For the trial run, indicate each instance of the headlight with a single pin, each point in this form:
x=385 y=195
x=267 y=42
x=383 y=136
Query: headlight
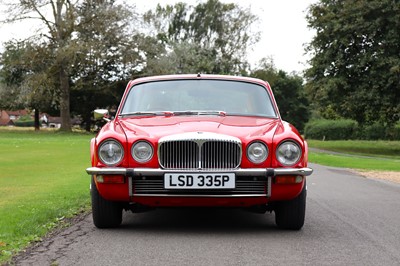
x=257 y=152
x=288 y=153
x=111 y=152
x=142 y=151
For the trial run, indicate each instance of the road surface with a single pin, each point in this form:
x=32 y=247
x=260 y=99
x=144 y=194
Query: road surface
x=350 y=220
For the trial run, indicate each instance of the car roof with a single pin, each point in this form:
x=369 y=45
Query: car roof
x=200 y=76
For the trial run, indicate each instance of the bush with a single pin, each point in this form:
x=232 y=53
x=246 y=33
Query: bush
x=375 y=131
x=324 y=129
x=30 y=123
x=394 y=132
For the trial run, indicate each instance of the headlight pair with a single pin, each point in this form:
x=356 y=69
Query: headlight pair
x=111 y=152
x=288 y=153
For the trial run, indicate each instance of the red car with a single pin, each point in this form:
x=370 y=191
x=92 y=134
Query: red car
x=198 y=141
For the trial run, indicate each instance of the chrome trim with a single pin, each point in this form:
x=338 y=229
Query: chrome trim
x=199 y=137
x=157 y=171
x=293 y=171
x=200 y=196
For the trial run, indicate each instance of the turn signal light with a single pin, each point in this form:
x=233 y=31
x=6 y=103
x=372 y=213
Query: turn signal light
x=288 y=179
x=110 y=179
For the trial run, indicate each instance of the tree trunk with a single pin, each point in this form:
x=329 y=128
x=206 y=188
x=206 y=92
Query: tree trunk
x=37 y=122
x=64 y=101
x=88 y=122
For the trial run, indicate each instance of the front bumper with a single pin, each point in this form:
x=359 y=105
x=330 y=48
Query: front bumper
x=137 y=172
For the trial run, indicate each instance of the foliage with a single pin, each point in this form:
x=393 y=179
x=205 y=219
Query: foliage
x=355 y=64
x=25 y=84
x=84 y=44
x=52 y=197
x=325 y=129
x=378 y=131
x=211 y=37
x=288 y=91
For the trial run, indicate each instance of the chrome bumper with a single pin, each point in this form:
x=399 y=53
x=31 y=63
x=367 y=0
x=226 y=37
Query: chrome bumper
x=134 y=172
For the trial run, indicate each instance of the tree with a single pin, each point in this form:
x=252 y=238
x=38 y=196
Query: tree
x=355 y=64
x=210 y=37
x=288 y=91
x=108 y=54
x=24 y=83
x=76 y=35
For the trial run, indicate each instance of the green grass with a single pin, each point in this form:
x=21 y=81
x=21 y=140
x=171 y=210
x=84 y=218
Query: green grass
x=385 y=155
x=390 y=149
x=42 y=181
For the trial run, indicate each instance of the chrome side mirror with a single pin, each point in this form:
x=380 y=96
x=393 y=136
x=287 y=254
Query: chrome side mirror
x=101 y=114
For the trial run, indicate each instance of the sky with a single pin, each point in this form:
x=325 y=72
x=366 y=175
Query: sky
x=282 y=25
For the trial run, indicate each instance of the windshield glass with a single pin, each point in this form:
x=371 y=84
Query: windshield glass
x=213 y=96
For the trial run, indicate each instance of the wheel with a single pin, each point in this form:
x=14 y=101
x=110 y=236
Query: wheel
x=290 y=214
x=106 y=214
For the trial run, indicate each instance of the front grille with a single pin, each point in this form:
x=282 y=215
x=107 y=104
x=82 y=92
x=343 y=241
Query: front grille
x=244 y=186
x=193 y=151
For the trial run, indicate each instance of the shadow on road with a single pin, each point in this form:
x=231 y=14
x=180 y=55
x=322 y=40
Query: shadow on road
x=201 y=220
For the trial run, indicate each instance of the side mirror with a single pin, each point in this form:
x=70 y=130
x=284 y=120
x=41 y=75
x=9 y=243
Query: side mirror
x=101 y=114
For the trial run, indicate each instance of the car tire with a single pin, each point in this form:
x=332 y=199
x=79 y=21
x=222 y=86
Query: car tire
x=291 y=214
x=106 y=214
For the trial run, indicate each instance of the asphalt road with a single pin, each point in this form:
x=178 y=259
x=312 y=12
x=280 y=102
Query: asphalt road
x=350 y=220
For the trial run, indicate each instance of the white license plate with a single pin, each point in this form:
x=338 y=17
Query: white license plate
x=199 y=180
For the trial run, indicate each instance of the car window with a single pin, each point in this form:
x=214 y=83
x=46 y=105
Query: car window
x=231 y=97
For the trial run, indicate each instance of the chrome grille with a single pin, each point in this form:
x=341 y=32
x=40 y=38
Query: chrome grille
x=179 y=155
x=200 y=153
x=220 y=155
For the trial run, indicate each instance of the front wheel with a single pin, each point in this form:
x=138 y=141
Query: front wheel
x=290 y=214
x=106 y=214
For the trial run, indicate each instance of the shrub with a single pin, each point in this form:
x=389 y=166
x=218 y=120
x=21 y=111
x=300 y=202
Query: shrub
x=394 y=132
x=30 y=123
x=324 y=129
x=375 y=131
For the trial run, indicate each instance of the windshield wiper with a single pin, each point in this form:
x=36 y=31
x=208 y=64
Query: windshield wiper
x=219 y=113
x=176 y=113
x=157 y=113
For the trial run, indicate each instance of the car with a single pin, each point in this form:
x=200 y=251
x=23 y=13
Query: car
x=197 y=140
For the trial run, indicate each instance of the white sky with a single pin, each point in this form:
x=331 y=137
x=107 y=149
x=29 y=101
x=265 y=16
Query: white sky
x=282 y=25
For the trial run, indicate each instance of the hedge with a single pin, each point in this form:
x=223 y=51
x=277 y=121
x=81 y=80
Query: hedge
x=30 y=123
x=342 y=129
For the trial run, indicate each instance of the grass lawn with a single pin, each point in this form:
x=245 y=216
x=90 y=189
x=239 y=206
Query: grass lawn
x=42 y=181
x=390 y=149
x=385 y=155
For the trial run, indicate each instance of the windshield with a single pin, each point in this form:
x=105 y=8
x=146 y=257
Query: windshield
x=194 y=97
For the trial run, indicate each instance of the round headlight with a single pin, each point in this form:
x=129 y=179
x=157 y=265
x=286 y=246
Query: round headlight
x=111 y=152
x=288 y=153
x=142 y=151
x=257 y=152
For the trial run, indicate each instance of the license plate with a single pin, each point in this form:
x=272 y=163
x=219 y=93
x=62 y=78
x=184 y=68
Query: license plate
x=199 y=180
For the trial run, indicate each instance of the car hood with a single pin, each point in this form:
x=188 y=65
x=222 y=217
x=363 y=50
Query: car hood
x=238 y=126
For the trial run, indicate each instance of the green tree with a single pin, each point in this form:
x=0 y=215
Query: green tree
x=86 y=43
x=355 y=64
x=108 y=56
x=24 y=83
x=288 y=91
x=211 y=37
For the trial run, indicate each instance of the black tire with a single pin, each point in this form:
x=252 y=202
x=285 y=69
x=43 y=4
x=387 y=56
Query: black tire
x=106 y=214
x=291 y=214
